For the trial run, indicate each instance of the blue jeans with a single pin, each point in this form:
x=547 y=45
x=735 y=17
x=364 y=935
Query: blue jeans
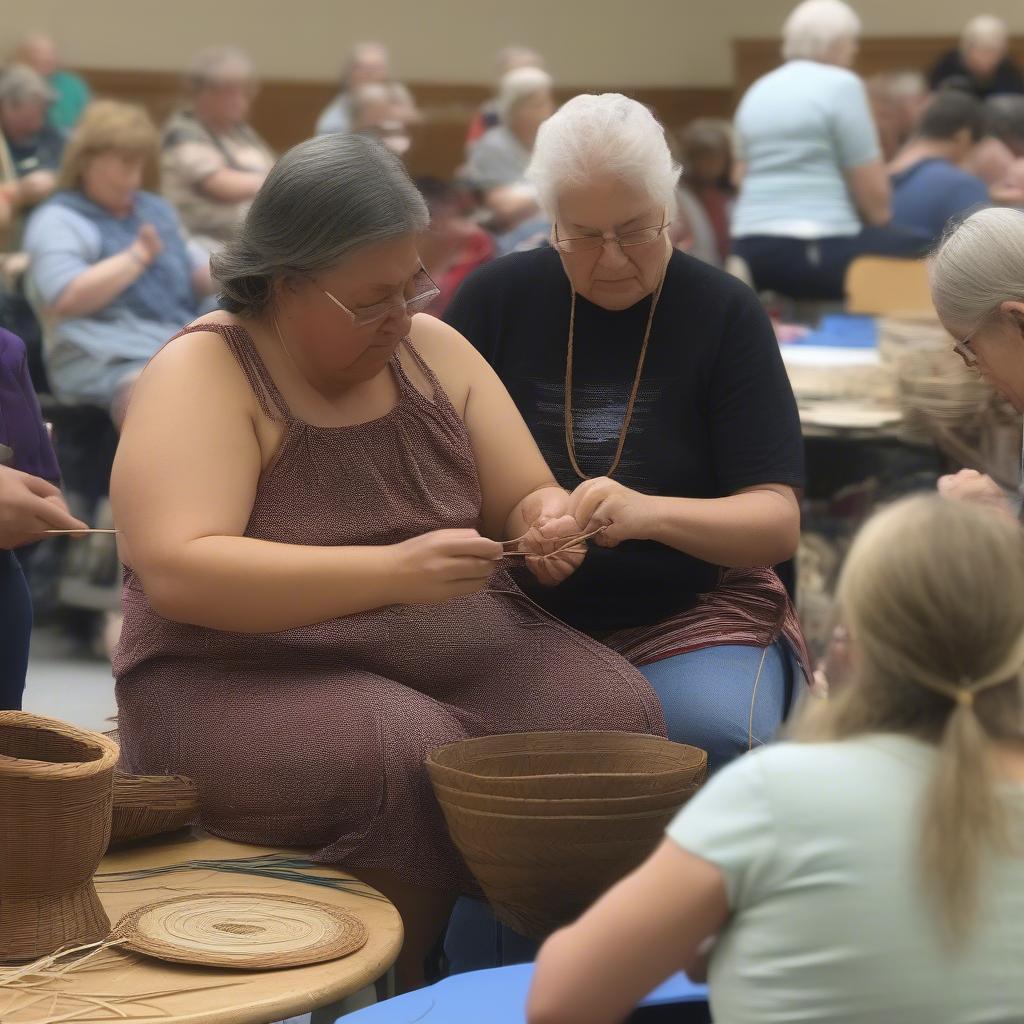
x=15 y=631
x=724 y=699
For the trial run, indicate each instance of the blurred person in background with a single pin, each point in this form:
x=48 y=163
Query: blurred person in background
x=453 y=245
x=71 y=93
x=212 y=161
x=488 y=116
x=497 y=163
x=898 y=99
x=705 y=147
x=386 y=111
x=111 y=271
x=930 y=188
x=981 y=64
x=367 y=64
x=992 y=159
x=814 y=192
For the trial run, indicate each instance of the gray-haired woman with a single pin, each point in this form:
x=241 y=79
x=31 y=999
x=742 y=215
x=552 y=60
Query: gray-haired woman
x=313 y=489
x=977 y=281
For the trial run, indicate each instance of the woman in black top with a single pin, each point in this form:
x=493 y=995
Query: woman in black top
x=693 y=480
x=981 y=64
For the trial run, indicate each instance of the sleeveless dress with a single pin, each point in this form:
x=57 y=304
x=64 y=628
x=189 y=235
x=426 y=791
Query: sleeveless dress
x=317 y=736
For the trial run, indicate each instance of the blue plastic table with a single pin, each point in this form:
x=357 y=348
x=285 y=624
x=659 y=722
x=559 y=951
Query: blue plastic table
x=496 y=996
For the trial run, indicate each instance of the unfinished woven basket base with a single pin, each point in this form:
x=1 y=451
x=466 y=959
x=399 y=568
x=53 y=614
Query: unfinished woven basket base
x=243 y=930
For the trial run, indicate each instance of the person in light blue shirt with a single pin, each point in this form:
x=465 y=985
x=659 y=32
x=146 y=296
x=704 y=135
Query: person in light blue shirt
x=814 y=191
x=871 y=869
x=930 y=188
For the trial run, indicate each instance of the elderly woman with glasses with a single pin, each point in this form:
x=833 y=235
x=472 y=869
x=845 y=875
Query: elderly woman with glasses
x=315 y=491
x=977 y=282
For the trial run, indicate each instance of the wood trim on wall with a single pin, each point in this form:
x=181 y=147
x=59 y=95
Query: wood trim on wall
x=285 y=111
x=753 y=58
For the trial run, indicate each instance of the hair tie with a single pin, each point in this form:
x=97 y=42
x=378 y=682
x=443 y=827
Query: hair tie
x=964 y=697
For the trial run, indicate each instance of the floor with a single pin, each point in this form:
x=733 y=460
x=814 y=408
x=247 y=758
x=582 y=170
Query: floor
x=65 y=681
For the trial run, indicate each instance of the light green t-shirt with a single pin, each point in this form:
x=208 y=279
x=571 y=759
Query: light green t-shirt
x=818 y=847
x=799 y=130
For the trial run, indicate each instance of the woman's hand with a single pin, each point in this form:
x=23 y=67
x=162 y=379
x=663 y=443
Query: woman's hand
x=552 y=558
x=147 y=245
x=624 y=514
x=29 y=507
x=438 y=566
x=972 y=486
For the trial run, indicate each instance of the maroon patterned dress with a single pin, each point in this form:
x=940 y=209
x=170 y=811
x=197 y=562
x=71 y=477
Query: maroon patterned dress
x=316 y=736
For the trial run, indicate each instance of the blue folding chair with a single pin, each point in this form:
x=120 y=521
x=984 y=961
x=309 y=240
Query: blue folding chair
x=498 y=996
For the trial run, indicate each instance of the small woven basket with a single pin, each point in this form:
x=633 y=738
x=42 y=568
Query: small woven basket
x=56 y=797
x=150 y=805
x=548 y=821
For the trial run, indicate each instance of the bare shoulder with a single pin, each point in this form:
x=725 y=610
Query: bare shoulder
x=455 y=362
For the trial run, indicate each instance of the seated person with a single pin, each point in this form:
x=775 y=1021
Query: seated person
x=981 y=64
x=313 y=488
x=870 y=869
x=898 y=99
x=453 y=245
x=497 y=163
x=212 y=162
x=929 y=188
x=30 y=148
x=30 y=504
x=367 y=64
x=705 y=147
x=487 y=117
x=110 y=266
x=992 y=159
x=384 y=111
x=70 y=90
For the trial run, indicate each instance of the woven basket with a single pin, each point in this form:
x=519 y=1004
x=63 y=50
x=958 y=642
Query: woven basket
x=150 y=805
x=541 y=870
x=568 y=766
x=56 y=795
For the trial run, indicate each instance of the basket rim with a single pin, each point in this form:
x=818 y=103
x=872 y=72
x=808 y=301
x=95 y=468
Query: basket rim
x=440 y=787
x=109 y=751
x=549 y=819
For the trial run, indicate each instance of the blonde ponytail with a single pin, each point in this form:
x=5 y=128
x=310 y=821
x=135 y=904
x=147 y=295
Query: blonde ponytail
x=933 y=596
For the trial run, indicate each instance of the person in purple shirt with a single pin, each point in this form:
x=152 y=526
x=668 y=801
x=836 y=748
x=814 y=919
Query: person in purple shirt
x=30 y=504
x=929 y=187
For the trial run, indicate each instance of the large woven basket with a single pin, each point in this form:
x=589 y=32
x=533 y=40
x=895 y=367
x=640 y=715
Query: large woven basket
x=150 y=805
x=548 y=821
x=56 y=795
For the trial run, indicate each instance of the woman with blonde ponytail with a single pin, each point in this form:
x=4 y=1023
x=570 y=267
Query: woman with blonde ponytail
x=871 y=869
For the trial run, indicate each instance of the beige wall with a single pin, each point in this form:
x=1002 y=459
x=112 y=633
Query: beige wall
x=593 y=42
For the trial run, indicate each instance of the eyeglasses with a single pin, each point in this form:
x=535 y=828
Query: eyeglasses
x=590 y=243
x=424 y=291
x=964 y=351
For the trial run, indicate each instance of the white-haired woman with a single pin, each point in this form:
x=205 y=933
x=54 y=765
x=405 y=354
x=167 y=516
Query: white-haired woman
x=981 y=63
x=814 y=190
x=875 y=871
x=367 y=64
x=654 y=386
x=498 y=161
x=212 y=161
x=977 y=282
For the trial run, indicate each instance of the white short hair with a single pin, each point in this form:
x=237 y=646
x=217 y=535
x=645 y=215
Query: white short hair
x=815 y=26
x=519 y=85
x=985 y=30
x=597 y=136
x=219 y=64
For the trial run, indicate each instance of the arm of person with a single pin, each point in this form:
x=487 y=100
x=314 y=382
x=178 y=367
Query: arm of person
x=62 y=249
x=860 y=153
x=521 y=498
x=511 y=203
x=183 y=487
x=642 y=931
x=199 y=260
x=228 y=185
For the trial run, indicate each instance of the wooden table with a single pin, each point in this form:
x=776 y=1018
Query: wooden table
x=207 y=995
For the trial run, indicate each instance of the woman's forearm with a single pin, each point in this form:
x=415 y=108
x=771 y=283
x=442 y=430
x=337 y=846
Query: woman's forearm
x=244 y=585
x=756 y=527
x=230 y=186
x=94 y=289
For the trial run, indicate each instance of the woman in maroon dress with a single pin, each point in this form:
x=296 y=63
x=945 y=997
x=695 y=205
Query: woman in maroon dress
x=312 y=489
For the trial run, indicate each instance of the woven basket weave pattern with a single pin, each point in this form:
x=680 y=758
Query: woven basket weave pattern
x=56 y=796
